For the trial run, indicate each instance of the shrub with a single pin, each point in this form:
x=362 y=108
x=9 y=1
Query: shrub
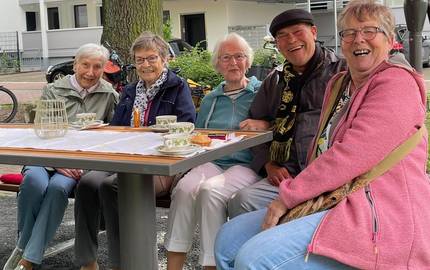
x=264 y=58
x=195 y=65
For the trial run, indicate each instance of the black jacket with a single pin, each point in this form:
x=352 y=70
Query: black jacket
x=266 y=105
x=173 y=98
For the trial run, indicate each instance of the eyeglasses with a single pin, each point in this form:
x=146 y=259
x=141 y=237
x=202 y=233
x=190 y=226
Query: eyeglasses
x=152 y=59
x=368 y=33
x=238 y=57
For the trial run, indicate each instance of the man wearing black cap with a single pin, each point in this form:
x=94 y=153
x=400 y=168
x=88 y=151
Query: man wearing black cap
x=289 y=102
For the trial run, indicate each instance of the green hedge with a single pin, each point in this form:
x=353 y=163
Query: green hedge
x=196 y=65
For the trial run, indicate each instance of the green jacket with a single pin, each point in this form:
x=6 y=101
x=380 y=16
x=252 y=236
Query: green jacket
x=101 y=101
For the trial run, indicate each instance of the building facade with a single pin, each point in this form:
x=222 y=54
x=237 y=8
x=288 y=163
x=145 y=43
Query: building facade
x=71 y=23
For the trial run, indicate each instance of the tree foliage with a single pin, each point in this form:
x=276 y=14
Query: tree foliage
x=125 y=20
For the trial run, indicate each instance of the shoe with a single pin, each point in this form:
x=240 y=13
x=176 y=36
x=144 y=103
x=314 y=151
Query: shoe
x=13 y=260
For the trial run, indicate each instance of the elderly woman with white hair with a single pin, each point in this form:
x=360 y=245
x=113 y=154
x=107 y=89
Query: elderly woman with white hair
x=200 y=197
x=44 y=192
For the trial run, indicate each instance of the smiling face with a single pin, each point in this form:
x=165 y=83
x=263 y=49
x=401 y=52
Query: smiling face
x=88 y=70
x=149 y=65
x=232 y=62
x=364 y=55
x=297 y=44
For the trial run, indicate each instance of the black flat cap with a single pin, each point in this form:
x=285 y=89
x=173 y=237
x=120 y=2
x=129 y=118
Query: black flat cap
x=290 y=17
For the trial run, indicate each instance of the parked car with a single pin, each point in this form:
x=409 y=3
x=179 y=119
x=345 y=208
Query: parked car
x=54 y=72
x=401 y=44
x=58 y=71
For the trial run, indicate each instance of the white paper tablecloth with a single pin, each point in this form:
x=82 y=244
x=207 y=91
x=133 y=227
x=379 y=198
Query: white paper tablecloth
x=142 y=143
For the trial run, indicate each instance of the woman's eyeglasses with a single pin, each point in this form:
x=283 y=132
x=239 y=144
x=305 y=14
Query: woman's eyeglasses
x=368 y=33
x=238 y=57
x=152 y=59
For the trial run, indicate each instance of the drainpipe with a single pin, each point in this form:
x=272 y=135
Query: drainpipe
x=43 y=19
x=415 y=14
x=335 y=24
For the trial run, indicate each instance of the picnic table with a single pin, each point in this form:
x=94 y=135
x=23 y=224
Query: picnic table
x=136 y=198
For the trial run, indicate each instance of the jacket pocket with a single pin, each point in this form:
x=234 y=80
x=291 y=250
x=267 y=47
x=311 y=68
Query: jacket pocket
x=375 y=221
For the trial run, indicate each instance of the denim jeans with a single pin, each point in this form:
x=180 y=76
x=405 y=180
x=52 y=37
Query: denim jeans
x=241 y=244
x=42 y=200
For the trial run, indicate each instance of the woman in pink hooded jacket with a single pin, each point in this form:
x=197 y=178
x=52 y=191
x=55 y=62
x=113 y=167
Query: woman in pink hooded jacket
x=384 y=225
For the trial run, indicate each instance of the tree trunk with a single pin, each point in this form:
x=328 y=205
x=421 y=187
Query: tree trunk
x=125 y=20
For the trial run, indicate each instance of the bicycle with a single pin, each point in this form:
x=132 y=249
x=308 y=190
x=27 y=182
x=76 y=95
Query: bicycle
x=123 y=74
x=8 y=105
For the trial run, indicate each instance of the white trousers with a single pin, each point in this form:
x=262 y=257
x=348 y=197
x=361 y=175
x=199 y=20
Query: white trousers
x=201 y=197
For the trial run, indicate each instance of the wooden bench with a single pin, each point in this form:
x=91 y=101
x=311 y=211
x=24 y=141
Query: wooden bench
x=9 y=187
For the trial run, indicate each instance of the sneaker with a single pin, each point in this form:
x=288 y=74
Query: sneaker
x=13 y=260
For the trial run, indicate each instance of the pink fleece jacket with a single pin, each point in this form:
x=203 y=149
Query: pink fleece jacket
x=387 y=224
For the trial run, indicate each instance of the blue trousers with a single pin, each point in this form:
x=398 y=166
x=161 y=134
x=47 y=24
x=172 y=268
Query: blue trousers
x=42 y=200
x=241 y=244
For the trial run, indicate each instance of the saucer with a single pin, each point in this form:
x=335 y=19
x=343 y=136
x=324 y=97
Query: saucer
x=159 y=128
x=185 y=150
x=80 y=125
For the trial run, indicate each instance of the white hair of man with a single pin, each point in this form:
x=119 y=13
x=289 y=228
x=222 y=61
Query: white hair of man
x=233 y=37
x=91 y=50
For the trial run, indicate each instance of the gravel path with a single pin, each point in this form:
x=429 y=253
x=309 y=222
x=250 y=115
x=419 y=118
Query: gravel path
x=64 y=260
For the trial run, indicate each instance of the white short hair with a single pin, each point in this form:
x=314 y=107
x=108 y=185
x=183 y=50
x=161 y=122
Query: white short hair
x=240 y=41
x=92 y=50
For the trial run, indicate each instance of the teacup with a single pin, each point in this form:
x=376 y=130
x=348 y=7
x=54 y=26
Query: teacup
x=85 y=118
x=164 y=120
x=176 y=140
x=181 y=127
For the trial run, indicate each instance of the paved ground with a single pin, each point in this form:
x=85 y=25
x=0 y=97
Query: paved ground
x=27 y=87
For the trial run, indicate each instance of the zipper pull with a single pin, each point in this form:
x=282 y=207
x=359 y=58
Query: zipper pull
x=307 y=257
x=375 y=249
x=309 y=250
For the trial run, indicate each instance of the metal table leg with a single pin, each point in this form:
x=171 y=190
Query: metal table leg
x=136 y=206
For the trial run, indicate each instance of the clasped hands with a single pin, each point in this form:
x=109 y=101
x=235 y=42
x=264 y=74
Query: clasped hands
x=72 y=173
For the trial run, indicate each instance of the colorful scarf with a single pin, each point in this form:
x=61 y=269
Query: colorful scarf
x=145 y=95
x=283 y=130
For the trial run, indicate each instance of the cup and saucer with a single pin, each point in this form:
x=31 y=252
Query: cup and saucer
x=87 y=121
x=178 y=144
x=162 y=123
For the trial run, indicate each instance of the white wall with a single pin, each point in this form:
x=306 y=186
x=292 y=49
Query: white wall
x=326 y=27
x=214 y=11
x=254 y=13
x=12 y=17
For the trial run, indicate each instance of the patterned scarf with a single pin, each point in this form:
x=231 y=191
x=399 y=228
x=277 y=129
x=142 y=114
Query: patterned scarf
x=283 y=130
x=145 y=95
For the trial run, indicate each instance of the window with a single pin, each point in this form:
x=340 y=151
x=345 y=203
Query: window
x=100 y=17
x=53 y=20
x=30 y=19
x=166 y=16
x=81 y=18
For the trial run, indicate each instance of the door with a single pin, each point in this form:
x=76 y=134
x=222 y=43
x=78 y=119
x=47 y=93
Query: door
x=194 y=29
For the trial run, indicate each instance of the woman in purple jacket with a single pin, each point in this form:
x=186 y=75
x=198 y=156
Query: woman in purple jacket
x=382 y=225
x=159 y=91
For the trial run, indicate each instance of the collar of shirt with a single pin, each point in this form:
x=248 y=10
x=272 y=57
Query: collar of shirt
x=82 y=91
